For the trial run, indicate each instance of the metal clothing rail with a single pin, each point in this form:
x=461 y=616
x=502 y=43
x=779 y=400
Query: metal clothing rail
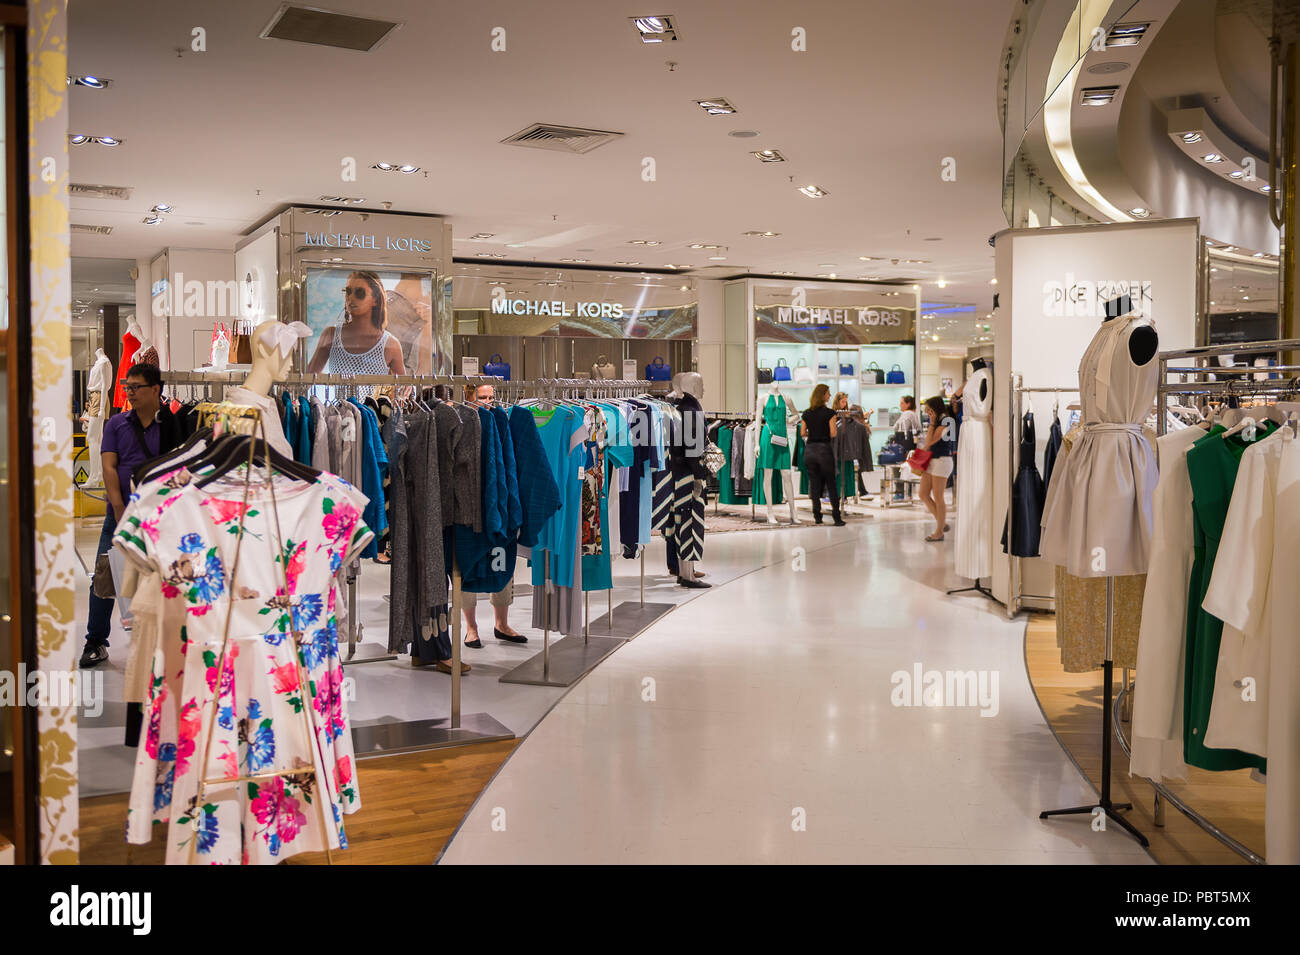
x=1015 y=407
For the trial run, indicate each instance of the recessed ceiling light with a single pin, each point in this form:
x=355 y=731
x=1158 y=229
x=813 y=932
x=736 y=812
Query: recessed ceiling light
x=91 y=82
x=942 y=284
x=915 y=288
x=627 y=263
x=1212 y=157
x=1266 y=188
x=575 y=260
x=768 y=155
x=107 y=140
x=1098 y=95
x=683 y=288
x=743 y=133
x=645 y=242
x=1261 y=255
x=813 y=192
x=492 y=255
x=827 y=265
x=1139 y=212
x=408 y=168
x=934 y=338
x=869 y=258
x=993 y=281
x=1191 y=138
x=716 y=106
x=162 y=207
x=480 y=236
x=916 y=262
x=514 y=245
x=783 y=273
x=703 y=245
x=655 y=29
x=1126 y=34
x=717 y=258
x=762 y=235
x=382 y=166
x=1236 y=174
x=78 y=139
x=152 y=220
x=1228 y=248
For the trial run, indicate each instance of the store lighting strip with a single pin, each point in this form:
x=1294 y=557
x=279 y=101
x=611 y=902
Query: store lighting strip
x=1202 y=141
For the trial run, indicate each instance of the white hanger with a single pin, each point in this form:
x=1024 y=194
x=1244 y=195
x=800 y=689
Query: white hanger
x=1246 y=424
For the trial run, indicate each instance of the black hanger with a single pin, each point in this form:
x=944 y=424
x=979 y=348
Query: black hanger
x=147 y=471
x=236 y=452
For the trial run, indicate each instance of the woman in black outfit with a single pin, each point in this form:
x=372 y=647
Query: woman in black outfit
x=940 y=441
x=818 y=428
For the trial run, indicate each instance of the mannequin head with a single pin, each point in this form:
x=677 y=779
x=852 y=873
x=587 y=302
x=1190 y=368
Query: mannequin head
x=690 y=383
x=273 y=347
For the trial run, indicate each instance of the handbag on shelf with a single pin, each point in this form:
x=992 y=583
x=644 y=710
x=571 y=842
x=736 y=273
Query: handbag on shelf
x=919 y=460
x=846 y=371
x=896 y=376
x=496 y=368
x=658 y=371
x=823 y=368
x=764 y=375
x=603 y=369
x=782 y=371
x=873 y=374
x=241 y=342
x=891 y=453
x=802 y=374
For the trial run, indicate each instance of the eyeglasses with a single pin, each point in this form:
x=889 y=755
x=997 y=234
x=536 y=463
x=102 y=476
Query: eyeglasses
x=359 y=291
x=132 y=389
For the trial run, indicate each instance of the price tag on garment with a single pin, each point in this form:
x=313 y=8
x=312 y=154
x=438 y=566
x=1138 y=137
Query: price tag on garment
x=469 y=366
x=582 y=474
x=629 y=369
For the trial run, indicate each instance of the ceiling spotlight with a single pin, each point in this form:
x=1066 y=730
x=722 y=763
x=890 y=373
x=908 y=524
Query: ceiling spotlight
x=480 y=236
x=152 y=220
x=645 y=242
x=408 y=168
x=78 y=139
x=783 y=273
x=1228 y=248
x=1191 y=138
x=492 y=255
x=1126 y=34
x=683 y=288
x=1261 y=255
x=827 y=265
x=813 y=192
x=717 y=258
x=1212 y=157
x=382 y=166
x=655 y=29
x=1266 y=188
x=162 y=207
x=934 y=338
x=107 y=140
x=993 y=281
x=703 y=245
x=514 y=245
x=768 y=155
x=627 y=263
x=762 y=235
x=1236 y=174
x=92 y=82
x=1139 y=212
x=942 y=284
x=1098 y=95
x=575 y=260
x=716 y=107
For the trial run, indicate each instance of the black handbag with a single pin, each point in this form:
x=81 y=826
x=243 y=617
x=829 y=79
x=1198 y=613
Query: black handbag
x=764 y=375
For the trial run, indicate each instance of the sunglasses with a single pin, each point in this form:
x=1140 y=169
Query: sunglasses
x=359 y=291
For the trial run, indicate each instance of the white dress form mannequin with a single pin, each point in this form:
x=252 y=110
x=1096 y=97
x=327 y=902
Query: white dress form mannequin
x=787 y=477
x=100 y=385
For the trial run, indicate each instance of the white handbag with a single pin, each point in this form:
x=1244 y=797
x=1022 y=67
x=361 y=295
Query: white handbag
x=801 y=373
x=603 y=369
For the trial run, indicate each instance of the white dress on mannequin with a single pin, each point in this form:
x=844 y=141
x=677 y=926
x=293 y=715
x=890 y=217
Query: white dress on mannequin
x=1097 y=520
x=99 y=384
x=975 y=477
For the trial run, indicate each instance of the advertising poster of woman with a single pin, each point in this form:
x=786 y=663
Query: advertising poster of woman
x=369 y=323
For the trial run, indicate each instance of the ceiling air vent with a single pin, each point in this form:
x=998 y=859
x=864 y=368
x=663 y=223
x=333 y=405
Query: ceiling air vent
x=326 y=28
x=565 y=139
x=83 y=229
x=81 y=190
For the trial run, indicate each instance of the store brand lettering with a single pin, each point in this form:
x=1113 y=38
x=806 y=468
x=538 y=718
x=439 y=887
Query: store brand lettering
x=520 y=306
x=799 y=315
x=921 y=687
x=1085 y=298
x=133 y=909
x=353 y=240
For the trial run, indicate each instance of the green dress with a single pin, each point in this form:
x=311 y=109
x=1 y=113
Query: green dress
x=1212 y=464
x=773 y=457
x=726 y=487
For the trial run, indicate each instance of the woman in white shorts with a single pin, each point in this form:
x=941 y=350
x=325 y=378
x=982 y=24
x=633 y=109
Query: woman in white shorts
x=940 y=442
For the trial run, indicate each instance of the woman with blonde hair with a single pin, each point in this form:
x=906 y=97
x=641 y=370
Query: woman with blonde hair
x=818 y=429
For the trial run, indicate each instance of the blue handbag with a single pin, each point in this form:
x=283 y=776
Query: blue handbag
x=896 y=376
x=496 y=368
x=658 y=371
x=891 y=453
x=782 y=371
x=846 y=370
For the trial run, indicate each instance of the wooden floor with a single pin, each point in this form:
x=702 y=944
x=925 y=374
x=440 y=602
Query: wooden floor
x=1072 y=702
x=410 y=806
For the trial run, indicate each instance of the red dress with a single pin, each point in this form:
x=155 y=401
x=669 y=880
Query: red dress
x=129 y=345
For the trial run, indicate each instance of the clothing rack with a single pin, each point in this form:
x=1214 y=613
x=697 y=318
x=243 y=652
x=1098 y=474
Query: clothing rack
x=726 y=417
x=1016 y=409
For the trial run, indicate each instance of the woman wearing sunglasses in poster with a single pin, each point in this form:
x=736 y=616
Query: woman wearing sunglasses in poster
x=361 y=344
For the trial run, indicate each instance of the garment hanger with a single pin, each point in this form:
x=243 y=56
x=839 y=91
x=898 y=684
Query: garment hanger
x=155 y=466
x=236 y=453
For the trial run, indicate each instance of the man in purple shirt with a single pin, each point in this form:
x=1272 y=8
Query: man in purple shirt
x=130 y=439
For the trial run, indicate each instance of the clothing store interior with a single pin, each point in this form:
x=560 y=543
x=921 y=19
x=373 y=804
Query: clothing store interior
x=638 y=473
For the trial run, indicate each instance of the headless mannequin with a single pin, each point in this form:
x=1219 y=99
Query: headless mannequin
x=787 y=477
x=100 y=382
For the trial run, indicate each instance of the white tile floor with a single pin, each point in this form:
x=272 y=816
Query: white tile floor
x=772 y=698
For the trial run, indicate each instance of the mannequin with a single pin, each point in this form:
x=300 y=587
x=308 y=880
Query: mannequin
x=273 y=347
x=685 y=530
x=100 y=385
x=131 y=342
x=765 y=450
x=974 y=517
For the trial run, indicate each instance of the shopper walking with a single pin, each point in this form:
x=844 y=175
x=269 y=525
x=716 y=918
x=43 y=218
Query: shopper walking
x=818 y=429
x=143 y=431
x=934 y=480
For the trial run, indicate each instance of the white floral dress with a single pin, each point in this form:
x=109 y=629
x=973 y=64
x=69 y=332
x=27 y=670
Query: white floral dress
x=189 y=535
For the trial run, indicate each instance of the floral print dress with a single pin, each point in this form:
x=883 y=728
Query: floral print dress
x=285 y=583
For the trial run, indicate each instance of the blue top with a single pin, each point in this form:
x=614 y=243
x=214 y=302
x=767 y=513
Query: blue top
x=119 y=439
x=559 y=535
x=539 y=495
x=302 y=446
x=374 y=467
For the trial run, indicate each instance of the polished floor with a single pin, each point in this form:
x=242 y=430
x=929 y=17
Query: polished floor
x=756 y=724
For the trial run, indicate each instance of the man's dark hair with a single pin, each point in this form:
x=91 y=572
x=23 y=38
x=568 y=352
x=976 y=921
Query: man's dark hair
x=150 y=373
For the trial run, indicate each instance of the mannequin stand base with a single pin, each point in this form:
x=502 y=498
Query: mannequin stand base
x=1112 y=811
x=630 y=618
x=976 y=588
x=572 y=658
x=410 y=736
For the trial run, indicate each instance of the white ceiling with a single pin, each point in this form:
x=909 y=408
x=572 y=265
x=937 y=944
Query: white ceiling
x=884 y=92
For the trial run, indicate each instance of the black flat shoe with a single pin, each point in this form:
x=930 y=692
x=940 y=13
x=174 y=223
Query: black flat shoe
x=839 y=523
x=512 y=637
x=693 y=584
x=475 y=644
